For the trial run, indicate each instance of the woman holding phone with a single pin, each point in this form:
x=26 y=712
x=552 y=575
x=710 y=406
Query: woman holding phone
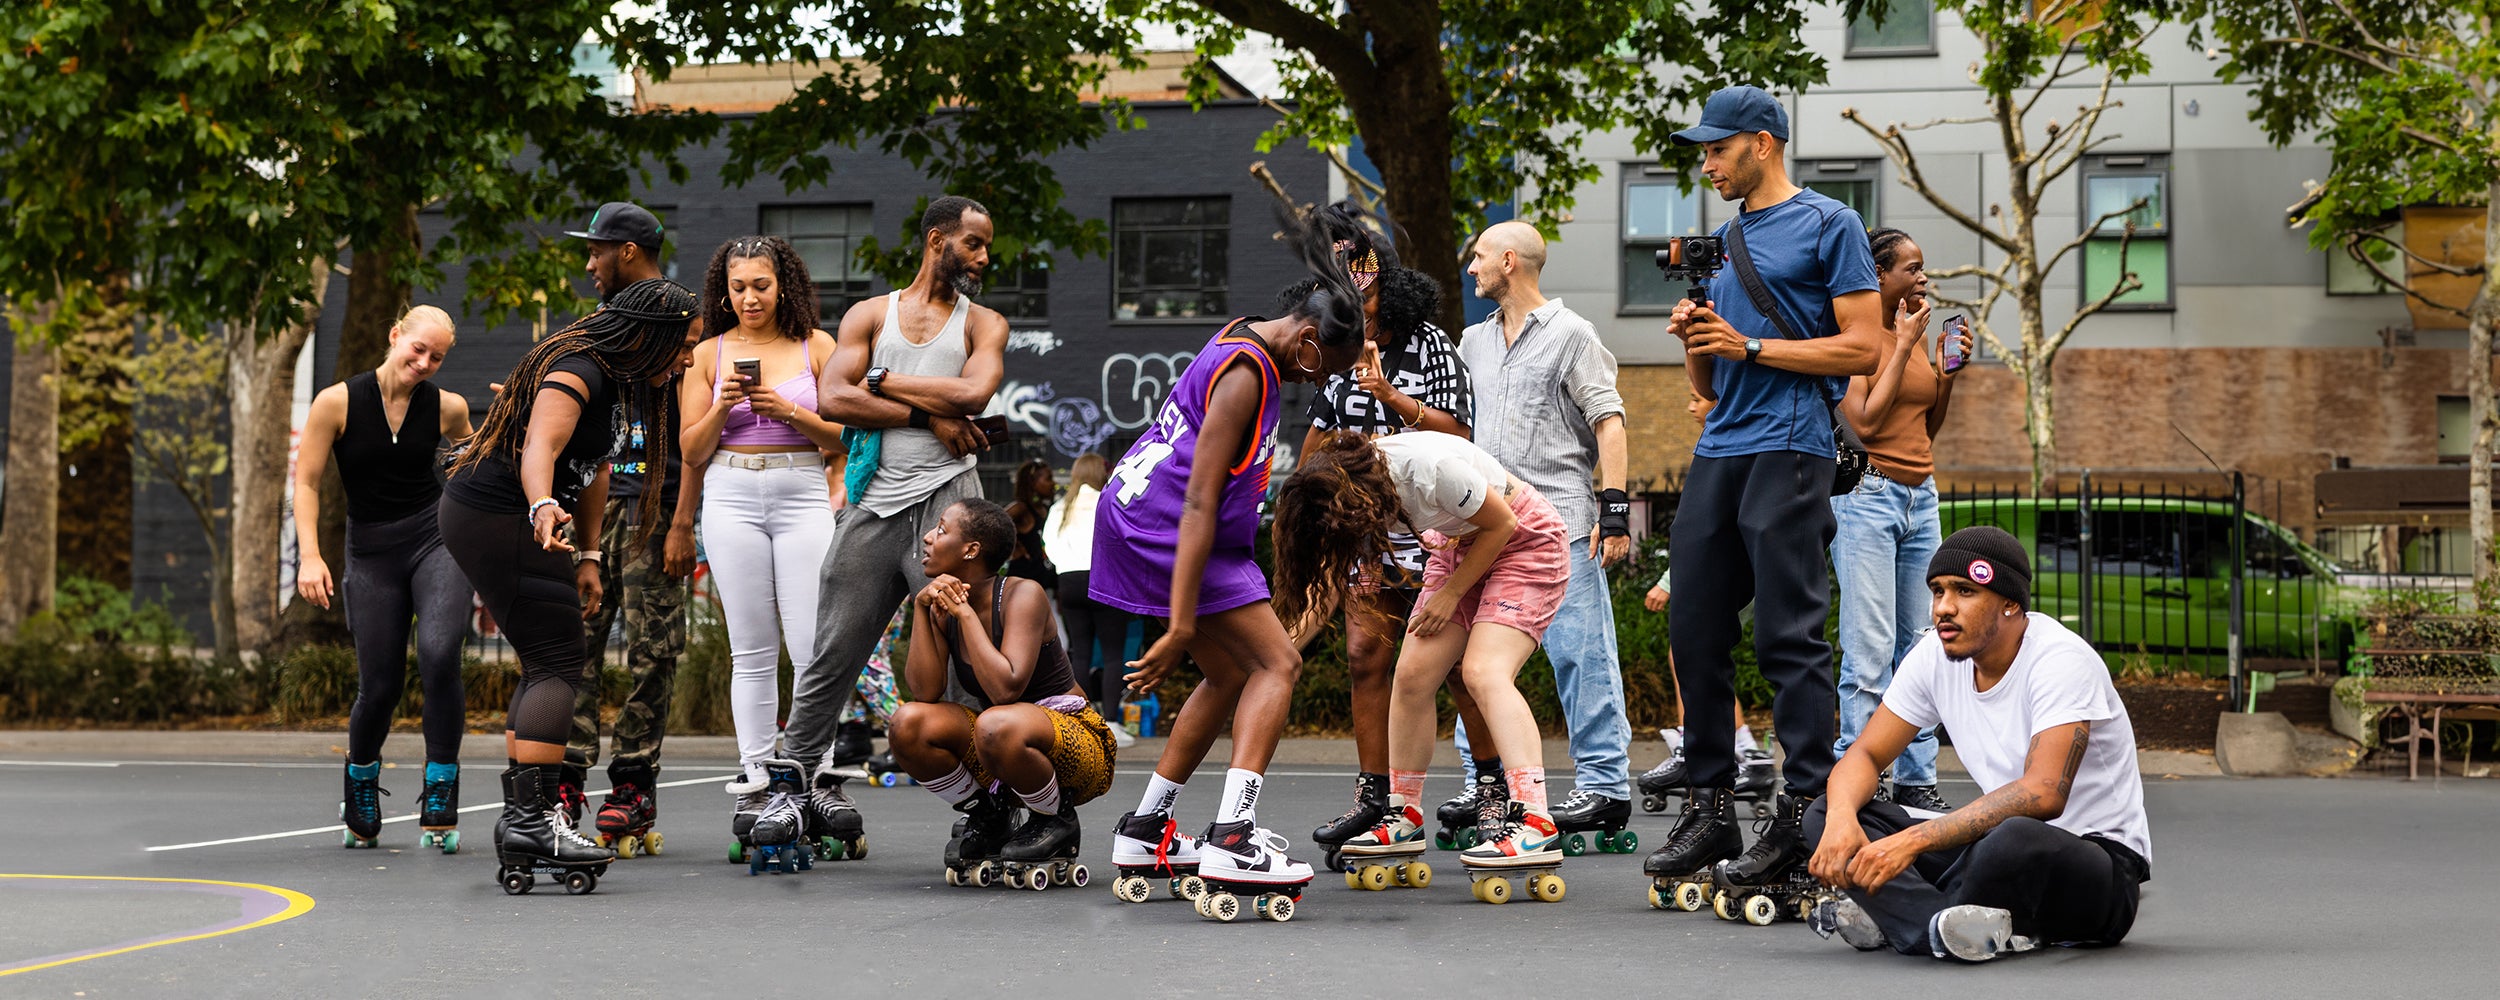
x=1888 y=527
x=772 y=479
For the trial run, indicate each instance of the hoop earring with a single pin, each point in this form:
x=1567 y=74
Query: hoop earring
x=1316 y=357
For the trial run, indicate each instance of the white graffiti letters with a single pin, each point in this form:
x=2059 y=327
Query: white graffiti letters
x=1133 y=385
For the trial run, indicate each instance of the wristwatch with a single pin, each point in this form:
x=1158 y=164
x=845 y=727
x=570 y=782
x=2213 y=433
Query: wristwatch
x=875 y=383
x=1753 y=351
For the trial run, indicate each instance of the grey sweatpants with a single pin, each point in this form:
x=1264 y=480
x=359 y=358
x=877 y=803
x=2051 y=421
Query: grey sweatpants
x=871 y=567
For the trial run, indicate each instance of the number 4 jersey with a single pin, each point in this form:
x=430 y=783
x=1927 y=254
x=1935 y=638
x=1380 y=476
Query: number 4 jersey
x=1137 y=527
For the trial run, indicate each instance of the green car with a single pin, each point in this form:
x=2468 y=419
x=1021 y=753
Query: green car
x=2160 y=581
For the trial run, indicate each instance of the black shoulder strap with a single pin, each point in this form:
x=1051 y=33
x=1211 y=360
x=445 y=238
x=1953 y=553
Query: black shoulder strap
x=1752 y=280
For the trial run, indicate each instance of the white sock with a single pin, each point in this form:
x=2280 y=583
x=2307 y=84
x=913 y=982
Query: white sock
x=1674 y=738
x=1044 y=800
x=1241 y=796
x=1161 y=793
x=955 y=787
x=1744 y=739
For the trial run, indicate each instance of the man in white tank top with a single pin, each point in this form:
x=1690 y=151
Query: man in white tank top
x=913 y=367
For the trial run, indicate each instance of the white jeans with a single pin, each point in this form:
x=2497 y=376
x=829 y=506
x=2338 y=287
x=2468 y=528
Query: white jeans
x=765 y=532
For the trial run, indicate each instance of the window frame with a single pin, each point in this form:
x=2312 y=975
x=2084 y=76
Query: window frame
x=1850 y=49
x=2120 y=165
x=1649 y=174
x=828 y=310
x=1114 y=259
x=2336 y=256
x=1043 y=262
x=1869 y=170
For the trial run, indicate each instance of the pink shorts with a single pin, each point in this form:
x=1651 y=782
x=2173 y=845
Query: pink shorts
x=1525 y=585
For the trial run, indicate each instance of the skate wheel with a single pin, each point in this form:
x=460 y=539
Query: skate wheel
x=1723 y=905
x=580 y=883
x=1223 y=906
x=737 y=853
x=1077 y=876
x=1415 y=874
x=651 y=843
x=1443 y=841
x=1494 y=890
x=1470 y=838
x=1276 y=908
x=1657 y=899
x=1353 y=880
x=1546 y=887
x=1761 y=808
x=1189 y=887
x=1130 y=889
x=1627 y=842
x=1575 y=845
x=858 y=846
x=624 y=847
x=516 y=882
x=451 y=842
x=985 y=875
x=952 y=878
x=887 y=779
x=1036 y=879
x=1653 y=803
x=1375 y=878
x=1761 y=910
x=1688 y=897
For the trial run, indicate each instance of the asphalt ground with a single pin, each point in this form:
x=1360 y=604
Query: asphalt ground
x=2286 y=887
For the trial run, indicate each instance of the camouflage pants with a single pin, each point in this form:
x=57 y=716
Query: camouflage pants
x=654 y=606
x=877 y=697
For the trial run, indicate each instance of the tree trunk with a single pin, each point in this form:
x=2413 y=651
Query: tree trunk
x=2479 y=416
x=29 y=515
x=1405 y=122
x=97 y=493
x=260 y=374
x=2040 y=422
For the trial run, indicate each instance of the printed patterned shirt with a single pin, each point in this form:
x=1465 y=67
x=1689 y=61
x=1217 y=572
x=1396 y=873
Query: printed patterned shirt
x=1426 y=368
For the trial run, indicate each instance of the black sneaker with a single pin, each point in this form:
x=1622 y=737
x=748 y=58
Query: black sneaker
x=1920 y=797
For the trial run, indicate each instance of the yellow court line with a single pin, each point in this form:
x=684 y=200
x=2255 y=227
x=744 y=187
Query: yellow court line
x=298 y=904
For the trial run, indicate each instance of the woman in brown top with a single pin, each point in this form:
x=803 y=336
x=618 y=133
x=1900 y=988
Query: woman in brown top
x=1888 y=527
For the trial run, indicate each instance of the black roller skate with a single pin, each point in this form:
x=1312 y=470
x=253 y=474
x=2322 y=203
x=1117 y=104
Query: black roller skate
x=1371 y=804
x=777 y=842
x=834 y=827
x=853 y=742
x=532 y=837
x=1704 y=835
x=627 y=814
x=361 y=808
x=1586 y=812
x=1769 y=880
x=1150 y=846
x=1757 y=779
x=882 y=771
x=1660 y=784
x=972 y=854
x=1241 y=859
x=1458 y=815
x=438 y=808
x=1043 y=852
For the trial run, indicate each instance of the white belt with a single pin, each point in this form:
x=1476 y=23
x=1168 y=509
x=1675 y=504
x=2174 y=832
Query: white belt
x=773 y=460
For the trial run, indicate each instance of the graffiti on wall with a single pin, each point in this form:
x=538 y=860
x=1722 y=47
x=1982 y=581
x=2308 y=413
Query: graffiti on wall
x=1133 y=388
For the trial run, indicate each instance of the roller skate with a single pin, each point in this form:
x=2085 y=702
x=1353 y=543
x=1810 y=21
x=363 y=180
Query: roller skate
x=972 y=855
x=1757 y=779
x=1390 y=853
x=1704 y=835
x=777 y=840
x=438 y=808
x=627 y=814
x=882 y=770
x=1371 y=803
x=361 y=809
x=833 y=824
x=1530 y=845
x=1458 y=818
x=752 y=792
x=853 y=742
x=1769 y=880
x=1149 y=846
x=1663 y=782
x=1585 y=812
x=532 y=837
x=1239 y=859
x=1043 y=853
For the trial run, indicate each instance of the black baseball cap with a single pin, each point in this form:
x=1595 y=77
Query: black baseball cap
x=1737 y=111
x=622 y=222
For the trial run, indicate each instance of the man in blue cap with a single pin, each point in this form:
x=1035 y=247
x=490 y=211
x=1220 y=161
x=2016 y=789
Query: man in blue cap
x=1755 y=518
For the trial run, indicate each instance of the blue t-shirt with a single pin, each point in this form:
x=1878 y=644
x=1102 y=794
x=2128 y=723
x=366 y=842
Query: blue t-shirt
x=1809 y=251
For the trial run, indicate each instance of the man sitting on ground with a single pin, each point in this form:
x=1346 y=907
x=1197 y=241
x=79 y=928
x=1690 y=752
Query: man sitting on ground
x=2055 y=849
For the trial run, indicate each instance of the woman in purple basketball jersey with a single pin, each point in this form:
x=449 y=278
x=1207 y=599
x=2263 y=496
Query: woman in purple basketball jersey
x=1173 y=538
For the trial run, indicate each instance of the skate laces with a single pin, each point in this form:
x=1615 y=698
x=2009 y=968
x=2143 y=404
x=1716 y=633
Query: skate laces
x=1578 y=797
x=1673 y=756
x=363 y=799
x=564 y=829
x=436 y=797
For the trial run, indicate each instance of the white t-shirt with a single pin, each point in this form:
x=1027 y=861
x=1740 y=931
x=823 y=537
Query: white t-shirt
x=1068 y=530
x=2056 y=679
x=1441 y=478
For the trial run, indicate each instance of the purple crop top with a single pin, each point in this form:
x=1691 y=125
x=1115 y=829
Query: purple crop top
x=744 y=427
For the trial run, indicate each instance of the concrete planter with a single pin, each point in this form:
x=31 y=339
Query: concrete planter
x=2256 y=744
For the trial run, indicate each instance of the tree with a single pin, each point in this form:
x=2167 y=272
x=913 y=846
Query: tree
x=2032 y=49
x=28 y=538
x=2406 y=94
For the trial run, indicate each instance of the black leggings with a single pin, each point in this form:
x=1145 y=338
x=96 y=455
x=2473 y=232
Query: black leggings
x=530 y=593
x=398 y=570
x=2060 y=888
x=1090 y=622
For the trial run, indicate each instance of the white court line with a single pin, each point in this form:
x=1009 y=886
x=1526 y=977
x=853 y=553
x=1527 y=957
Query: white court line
x=404 y=818
x=62 y=763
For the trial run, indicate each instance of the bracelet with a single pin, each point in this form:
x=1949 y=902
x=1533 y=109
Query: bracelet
x=919 y=418
x=589 y=555
x=1418 y=420
x=532 y=516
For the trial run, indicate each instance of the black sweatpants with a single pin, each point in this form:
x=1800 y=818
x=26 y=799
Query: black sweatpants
x=2061 y=888
x=1090 y=622
x=398 y=571
x=530 y=592
x=1755 y=529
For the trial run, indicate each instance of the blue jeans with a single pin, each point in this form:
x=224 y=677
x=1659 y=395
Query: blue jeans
x=1588 y=681
x=1887 y=533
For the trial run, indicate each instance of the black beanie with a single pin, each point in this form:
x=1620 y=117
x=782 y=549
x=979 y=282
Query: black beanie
x=1989 y=557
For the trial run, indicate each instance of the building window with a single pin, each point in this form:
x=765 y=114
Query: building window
x=1656 y=206
x=1849 y=182
x=827 y=239
x=1022 y=294
x=2112 y=184
x=2456 y=429
x=1170 y=257
x=1908 y=29
x=2346 y=276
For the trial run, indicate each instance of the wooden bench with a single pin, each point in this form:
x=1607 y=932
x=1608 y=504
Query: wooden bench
x=2471 y=696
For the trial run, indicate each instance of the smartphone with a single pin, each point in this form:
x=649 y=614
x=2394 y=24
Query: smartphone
x=993 y=428
x=751 y=368
x=1956 y=327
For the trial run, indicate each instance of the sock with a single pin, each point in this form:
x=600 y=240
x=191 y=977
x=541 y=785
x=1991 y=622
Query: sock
x=955 y=787
x=1161 y=793
x=1408 y=786
x=1744 y=739
x=1044 y=800
x=1241 y=796
x=1527 y=786
x=1674 y=738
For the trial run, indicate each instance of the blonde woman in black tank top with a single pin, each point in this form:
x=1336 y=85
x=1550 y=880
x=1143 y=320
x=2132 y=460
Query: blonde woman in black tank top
x=386 y=426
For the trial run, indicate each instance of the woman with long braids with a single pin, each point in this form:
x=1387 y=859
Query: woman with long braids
x=385 y=426
x=1175 y=538
x=539 y=462
x=771 y=483
x=1499 y=561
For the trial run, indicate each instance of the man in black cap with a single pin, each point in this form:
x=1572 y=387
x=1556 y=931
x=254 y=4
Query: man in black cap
x=1755 y=519
x=625 y=243
x=2055 y=849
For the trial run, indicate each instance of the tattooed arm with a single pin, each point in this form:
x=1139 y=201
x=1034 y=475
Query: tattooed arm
x=2048 y=774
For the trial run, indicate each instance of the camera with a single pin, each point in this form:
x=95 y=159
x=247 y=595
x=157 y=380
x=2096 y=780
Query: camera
x=1694 y=259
